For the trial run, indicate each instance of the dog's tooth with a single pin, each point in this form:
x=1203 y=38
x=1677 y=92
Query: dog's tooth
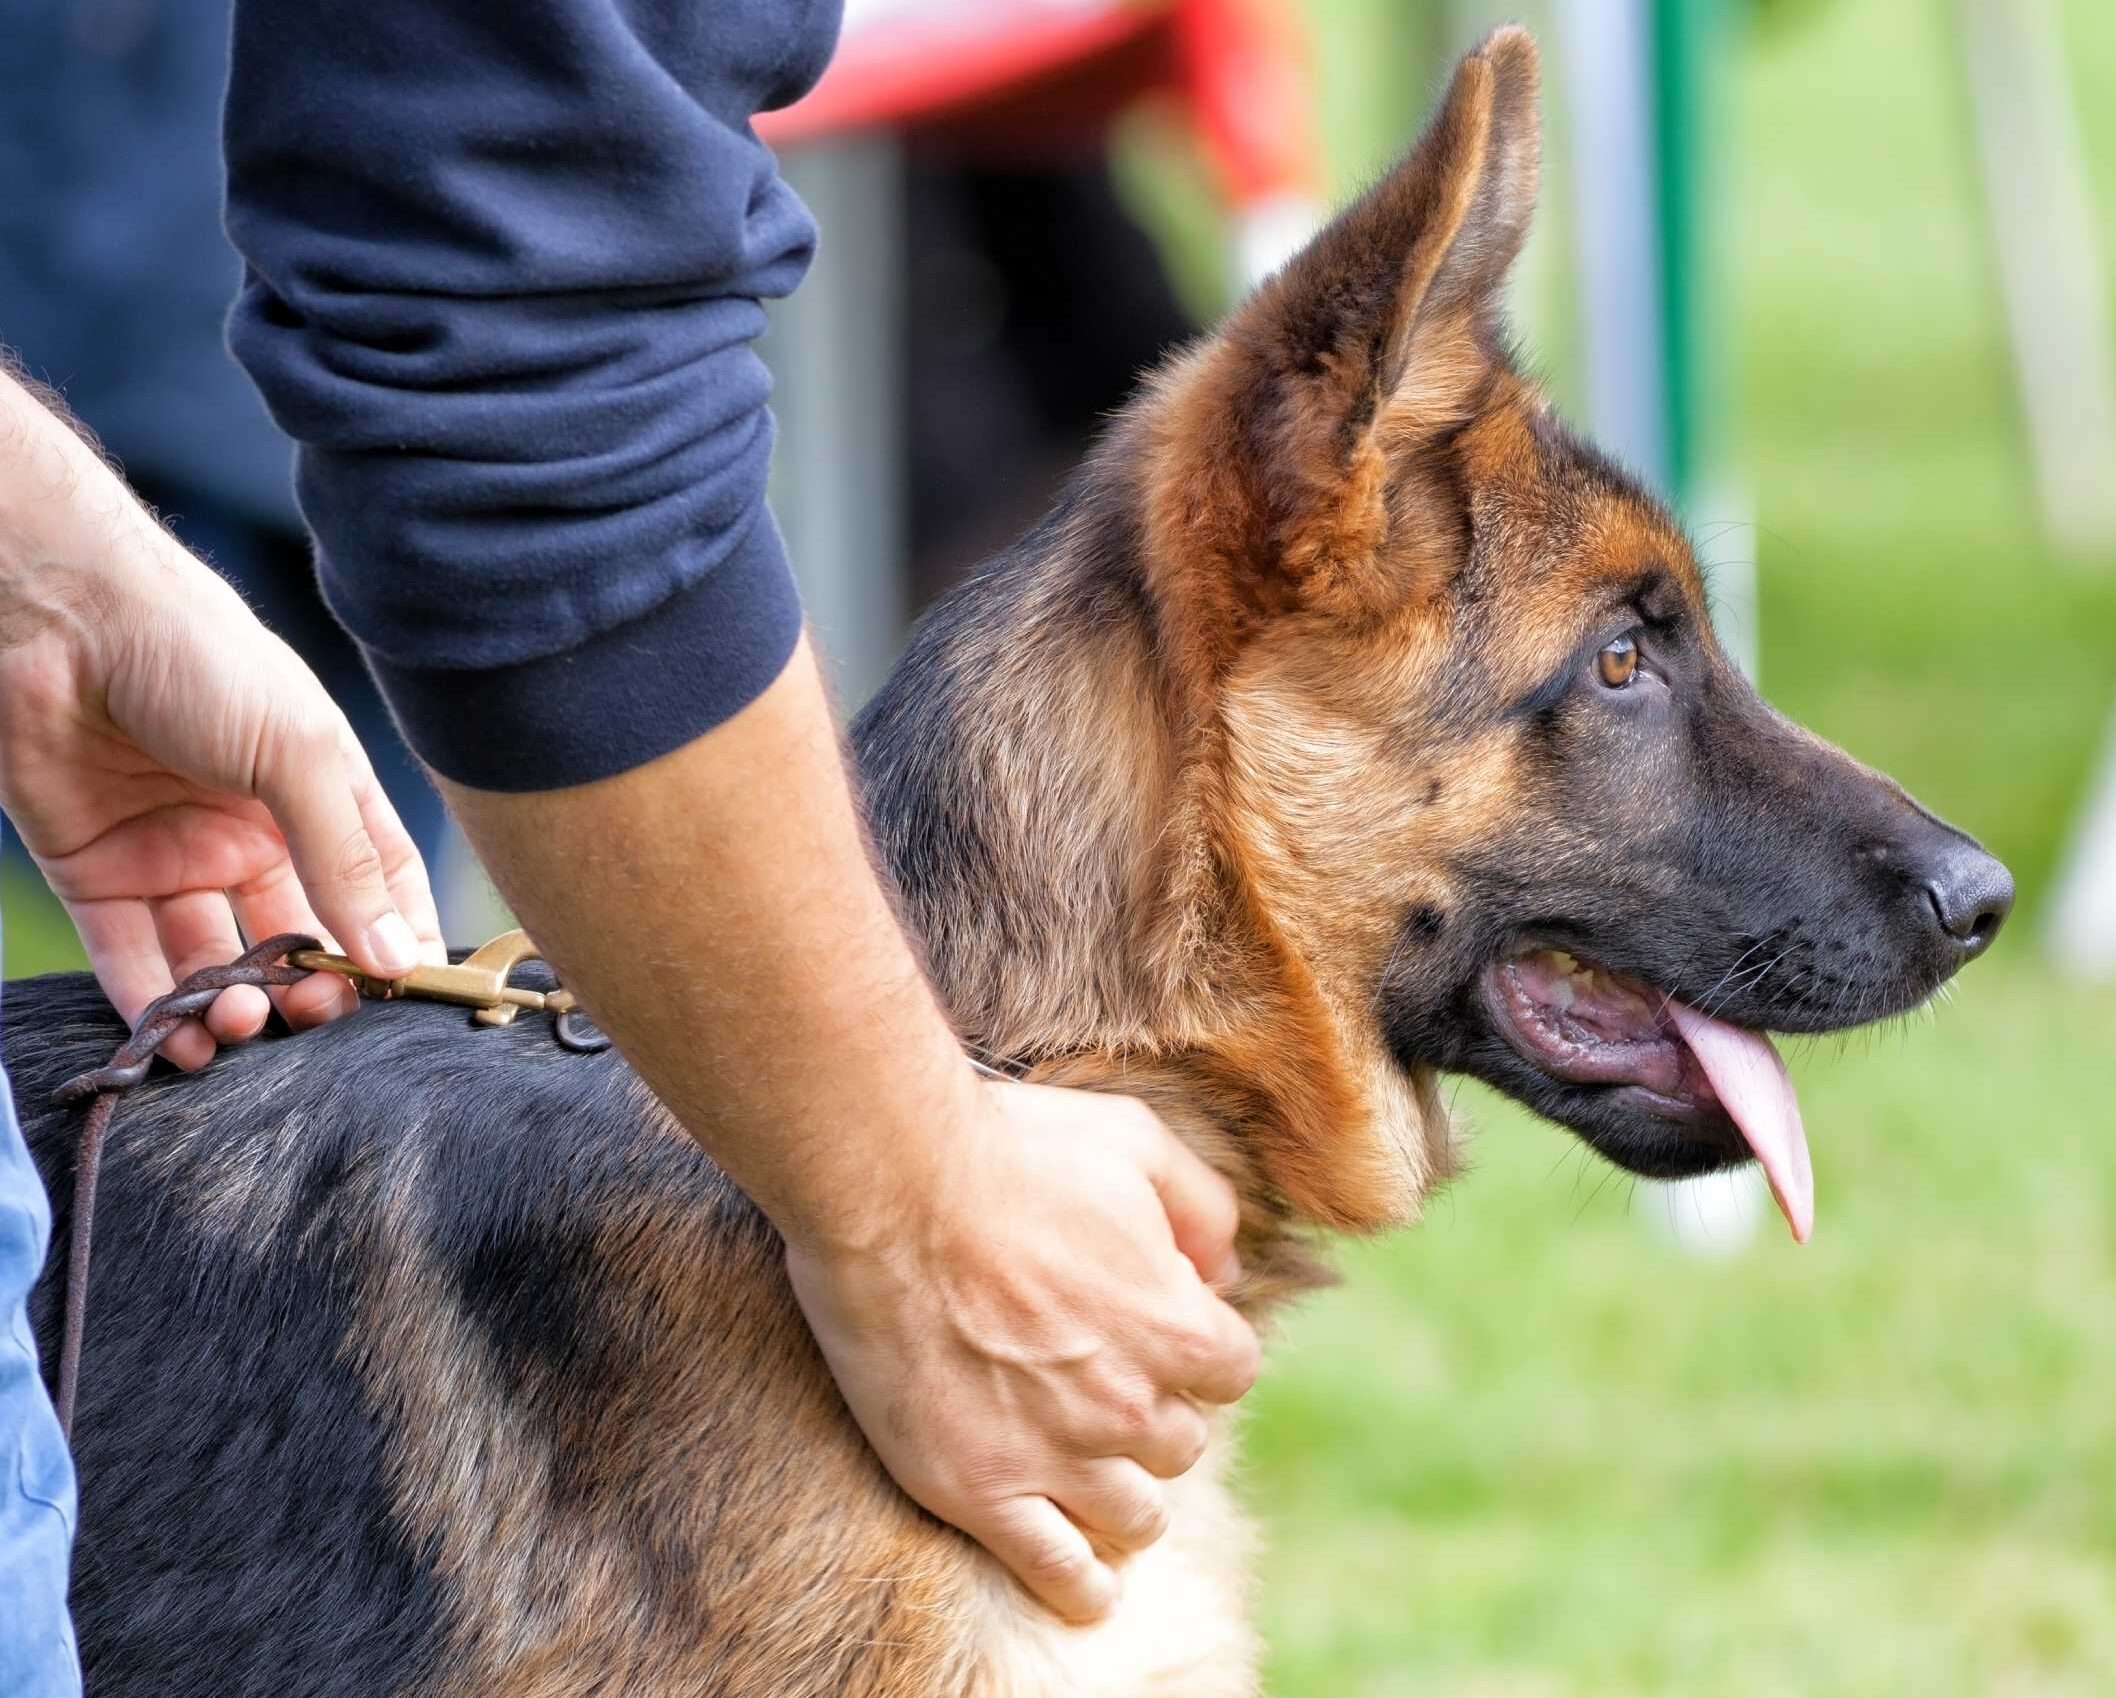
x=1561 y=995
x=1562 y=962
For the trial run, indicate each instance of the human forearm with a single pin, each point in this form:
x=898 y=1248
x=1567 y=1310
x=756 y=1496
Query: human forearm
x=717 y=911
x=57 y=496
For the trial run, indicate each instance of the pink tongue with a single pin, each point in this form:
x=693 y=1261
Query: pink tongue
x=1751 y=1081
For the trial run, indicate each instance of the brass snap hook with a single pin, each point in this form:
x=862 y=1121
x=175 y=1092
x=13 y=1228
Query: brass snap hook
x=478 y=981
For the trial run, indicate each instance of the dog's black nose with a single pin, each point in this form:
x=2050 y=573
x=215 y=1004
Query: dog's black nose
x=1971 y=894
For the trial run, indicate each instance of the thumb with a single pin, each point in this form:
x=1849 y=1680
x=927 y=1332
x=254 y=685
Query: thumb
x=1203 y=1212
x=304 y=783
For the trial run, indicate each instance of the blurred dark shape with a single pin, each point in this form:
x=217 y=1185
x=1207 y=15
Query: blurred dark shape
x=115 y=280
x=1034 y=302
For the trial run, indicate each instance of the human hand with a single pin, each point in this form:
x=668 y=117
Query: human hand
x=174 y=769
x=1025 y=1337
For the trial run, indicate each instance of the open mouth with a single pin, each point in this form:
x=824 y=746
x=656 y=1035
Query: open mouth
x=1594 y=1028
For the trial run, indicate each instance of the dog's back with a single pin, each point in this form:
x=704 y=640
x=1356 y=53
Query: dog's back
x=427 y=1357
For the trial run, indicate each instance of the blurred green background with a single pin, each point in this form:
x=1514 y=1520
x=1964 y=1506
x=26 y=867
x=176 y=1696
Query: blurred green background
x=1531 y=1450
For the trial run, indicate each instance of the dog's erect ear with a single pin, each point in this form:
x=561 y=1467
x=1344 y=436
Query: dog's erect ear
x=1273 y=440
x=1424 y=250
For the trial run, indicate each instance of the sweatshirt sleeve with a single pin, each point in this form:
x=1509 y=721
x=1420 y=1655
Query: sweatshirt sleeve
x=504 y=269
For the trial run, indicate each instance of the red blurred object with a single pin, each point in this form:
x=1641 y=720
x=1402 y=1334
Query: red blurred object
x=1017 y=80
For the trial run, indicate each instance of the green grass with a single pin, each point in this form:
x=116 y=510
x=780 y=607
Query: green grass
x=1528 y=1448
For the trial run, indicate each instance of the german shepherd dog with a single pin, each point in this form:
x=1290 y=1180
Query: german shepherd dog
x=1349 y=722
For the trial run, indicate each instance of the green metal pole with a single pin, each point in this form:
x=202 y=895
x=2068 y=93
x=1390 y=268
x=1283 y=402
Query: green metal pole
x=1688 y=38
x=1691 y=44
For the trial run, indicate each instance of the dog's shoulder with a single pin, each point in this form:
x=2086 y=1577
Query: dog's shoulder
x=415 y=1345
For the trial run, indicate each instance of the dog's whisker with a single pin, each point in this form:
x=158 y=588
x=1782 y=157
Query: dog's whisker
x=1608 y=1173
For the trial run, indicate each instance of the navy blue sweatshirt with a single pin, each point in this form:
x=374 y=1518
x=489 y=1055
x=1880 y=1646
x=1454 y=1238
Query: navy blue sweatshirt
x=504 y=264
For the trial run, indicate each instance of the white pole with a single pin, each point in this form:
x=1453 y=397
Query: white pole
x=838 y=477
x=2082 y=926
x=1614 y=181
x=1609 y=88
x=2056 y=293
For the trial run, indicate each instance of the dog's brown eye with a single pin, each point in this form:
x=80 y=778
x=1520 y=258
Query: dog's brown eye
x=1618 y=663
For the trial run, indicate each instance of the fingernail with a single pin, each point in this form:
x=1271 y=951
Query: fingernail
x=391 y=946
x=1230 y=1271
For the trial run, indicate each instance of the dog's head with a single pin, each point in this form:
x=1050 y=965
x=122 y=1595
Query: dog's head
x=1488 y=772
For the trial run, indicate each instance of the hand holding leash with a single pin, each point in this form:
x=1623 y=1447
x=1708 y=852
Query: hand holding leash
x=176 y=771
x=479 y=981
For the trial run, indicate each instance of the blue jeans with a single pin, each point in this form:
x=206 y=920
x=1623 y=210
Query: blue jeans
x=37 y=1655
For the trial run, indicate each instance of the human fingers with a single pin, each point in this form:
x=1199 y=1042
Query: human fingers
x=273 y=902
x=196 y=928
x=302 y=780
x=1172 y=1443
x=1203 y=1212
x=1048 y=1554
x=125 y=953
x=1117 y=1503
x=1213 y=1354
x=403 y=868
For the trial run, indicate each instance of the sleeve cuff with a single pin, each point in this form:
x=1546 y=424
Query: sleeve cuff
x=617 y=700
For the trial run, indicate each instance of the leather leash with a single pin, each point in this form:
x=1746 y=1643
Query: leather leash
x=478 y=981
